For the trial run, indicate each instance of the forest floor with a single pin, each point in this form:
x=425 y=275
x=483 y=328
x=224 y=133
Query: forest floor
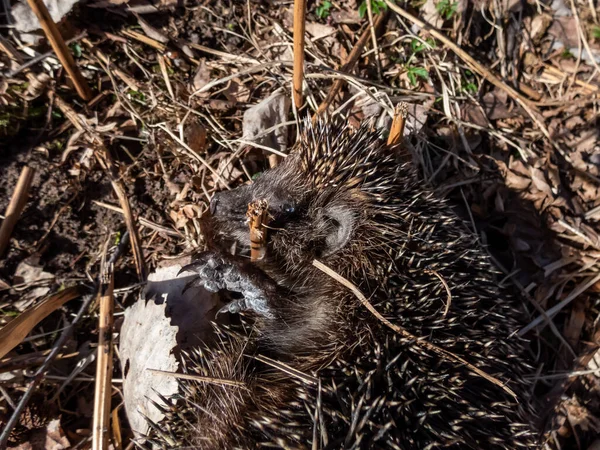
x=504 y=123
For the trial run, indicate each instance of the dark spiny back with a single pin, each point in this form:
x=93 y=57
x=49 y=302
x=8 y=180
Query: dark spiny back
x=413 y=259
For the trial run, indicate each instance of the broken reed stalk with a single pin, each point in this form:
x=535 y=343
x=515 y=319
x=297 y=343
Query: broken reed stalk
x=60 y=48
x=350 y=63
x=103 y=156
x=57 y=347
x=299 y=26
x=40 y=374
x=397 y=129
x=13 y=333
x=15 y=207
x=401 y=331
x=374 y=39
x=104 y=363
x=257 y=219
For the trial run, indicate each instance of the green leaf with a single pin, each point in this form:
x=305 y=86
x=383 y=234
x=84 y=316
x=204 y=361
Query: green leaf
x=376 y=5
x=596 y=32
x=470 y=87
x=413 y=73
x=362 y=9
x=446 y=8
x=322 y=10
x=76 y=48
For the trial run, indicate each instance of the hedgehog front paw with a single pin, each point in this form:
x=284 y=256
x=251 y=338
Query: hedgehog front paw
x=217 y=272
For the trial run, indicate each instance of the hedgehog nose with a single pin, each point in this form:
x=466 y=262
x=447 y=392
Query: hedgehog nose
x=214 y=201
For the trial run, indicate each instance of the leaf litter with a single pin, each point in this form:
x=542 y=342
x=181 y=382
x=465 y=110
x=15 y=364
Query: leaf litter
x=194 y=100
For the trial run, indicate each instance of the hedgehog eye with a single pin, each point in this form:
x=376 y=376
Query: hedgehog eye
x=288 y=208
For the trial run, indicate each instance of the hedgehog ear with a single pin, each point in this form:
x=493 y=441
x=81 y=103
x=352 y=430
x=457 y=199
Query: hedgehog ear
x=341 y=222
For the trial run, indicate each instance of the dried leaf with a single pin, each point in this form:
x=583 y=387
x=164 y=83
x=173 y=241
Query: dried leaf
x=152 y=329
x=16 y=330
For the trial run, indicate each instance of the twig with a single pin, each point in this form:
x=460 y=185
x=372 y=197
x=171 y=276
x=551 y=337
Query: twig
x=60 y=48
x=145 y=40
x=223 y=55
x=163 y=69
x=349 y=64
x=374 y=38
x=299 y=25
x=257 y=217
x=419 y=341
x=397 y=129
x=448 y=292
x=15 y=207
x=104 y=362
x=143 y=221
x=39 y=375
x=105 y=160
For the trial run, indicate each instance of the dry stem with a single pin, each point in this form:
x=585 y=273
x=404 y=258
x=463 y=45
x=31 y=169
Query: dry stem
x=15 y=207
x=257 y=218
x=419 y=341
x=349 y=64
x=60 y=48
x=299 y=25
x=104 y=363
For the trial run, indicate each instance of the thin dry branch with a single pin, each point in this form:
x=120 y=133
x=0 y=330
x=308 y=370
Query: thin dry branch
x=60 y=48
x=349 y=64
x=299 y=26
x=104 y=362
x=418 y=340
x=15 y=207
x=397 y=129
x=257 y=215
x=374 y=38
x=105 y=160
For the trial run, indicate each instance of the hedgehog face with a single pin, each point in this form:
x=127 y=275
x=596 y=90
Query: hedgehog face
x=305 y=222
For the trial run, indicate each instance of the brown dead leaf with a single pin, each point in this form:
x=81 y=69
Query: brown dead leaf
x=202 y=76
x=565 y=30
x=195 y=136
x=15 y=331
x=495 y=105
x=539 y=26
x=345 y=16
x=51 y=437
x=319 y=30
x=539 y=181
x=516 y=182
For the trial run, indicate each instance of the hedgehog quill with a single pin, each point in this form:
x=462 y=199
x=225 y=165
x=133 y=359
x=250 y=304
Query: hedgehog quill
x=318 y=369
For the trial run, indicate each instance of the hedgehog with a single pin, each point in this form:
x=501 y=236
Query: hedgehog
x=306 y=365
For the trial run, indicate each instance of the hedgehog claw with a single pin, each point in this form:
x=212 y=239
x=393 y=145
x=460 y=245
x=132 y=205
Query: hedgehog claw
x=215 y=272
x=233 y=307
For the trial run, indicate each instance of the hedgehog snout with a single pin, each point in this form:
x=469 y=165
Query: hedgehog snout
x=229 y=204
